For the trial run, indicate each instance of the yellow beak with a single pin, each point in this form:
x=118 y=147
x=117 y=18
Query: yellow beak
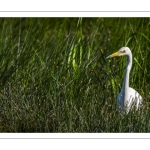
x=114 y=55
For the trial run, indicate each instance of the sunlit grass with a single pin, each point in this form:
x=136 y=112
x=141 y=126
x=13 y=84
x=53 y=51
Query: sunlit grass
x=54 y=76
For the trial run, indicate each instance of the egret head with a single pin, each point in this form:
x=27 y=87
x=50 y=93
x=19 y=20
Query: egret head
x=122 y=51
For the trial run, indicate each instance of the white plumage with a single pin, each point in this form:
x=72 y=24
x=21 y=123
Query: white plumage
x=128 y=97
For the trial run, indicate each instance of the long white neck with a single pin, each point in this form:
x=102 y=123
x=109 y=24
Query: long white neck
x=125 y=87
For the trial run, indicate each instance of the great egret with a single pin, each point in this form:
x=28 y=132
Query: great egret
x=128 y=97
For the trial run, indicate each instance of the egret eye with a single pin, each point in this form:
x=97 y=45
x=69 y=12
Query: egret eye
x=123 y=51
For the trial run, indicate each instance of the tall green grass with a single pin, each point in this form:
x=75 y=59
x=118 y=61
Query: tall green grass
x=54 y=76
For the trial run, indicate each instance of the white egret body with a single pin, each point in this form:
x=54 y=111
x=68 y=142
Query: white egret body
x=128 y=97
